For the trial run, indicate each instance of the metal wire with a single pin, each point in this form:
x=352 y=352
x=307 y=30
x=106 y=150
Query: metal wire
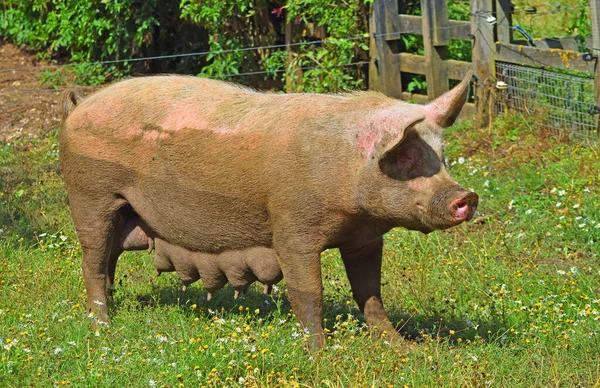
x=219 y=52
x=232 y=75
x=563 y=99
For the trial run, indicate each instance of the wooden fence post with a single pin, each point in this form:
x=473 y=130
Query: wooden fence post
x=504 y=15
x=435 y=42
x=595 y=16
x=387 y=27
x=374 y=83
x=484 y=48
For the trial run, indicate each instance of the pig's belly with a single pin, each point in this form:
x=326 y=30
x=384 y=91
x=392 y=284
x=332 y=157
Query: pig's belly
x=200 y=220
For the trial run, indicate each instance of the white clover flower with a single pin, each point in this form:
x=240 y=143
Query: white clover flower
x=558 y=204
x=152 y=383
x=57 y=350
x=576 y=206
x=529 y=211
x=461 y=160
x=561 y=272
x=553 y=190
x=99 y=303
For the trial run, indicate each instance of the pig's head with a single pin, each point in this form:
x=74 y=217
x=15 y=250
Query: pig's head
x=406 y=182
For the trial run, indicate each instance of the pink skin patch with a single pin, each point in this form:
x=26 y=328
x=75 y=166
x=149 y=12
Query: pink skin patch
x=101 y=115
x=182 y=115
x=392 y=122
x=133 y=132
x=150 y=136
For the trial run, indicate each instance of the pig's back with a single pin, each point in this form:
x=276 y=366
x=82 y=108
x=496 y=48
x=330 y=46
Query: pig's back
x=201 y=161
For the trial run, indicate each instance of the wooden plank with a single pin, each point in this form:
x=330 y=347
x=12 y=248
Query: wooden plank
x=535 y=56
x=564 y=43
x=415 y=98
x=434 y=12
x=373 y=81
x=595 y=16
x=411 y=24
x=483 y=61
x=439 y=22
x=459 y=30
x=504 y=10
x=412 y=63
x=455 y=29
x=415 y=64
x=387 y=21
x=457 y=69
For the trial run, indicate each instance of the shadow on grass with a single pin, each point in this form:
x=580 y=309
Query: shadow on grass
x=414 y=327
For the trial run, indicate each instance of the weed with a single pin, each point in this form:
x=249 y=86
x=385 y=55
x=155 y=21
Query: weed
x=508 y=300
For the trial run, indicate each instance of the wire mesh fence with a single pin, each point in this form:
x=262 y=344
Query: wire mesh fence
x=566 y=101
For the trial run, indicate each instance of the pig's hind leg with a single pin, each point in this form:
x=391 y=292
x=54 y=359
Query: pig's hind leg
x=96 y=220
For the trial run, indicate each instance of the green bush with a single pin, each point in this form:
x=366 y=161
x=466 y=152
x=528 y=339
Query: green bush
x=90 y=31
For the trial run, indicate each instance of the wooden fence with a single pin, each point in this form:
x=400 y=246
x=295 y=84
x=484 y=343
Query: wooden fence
x=492 y=40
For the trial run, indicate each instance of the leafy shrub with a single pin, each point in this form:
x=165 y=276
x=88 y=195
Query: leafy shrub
x=91 y=31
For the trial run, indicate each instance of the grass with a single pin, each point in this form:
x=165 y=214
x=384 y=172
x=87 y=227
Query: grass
x=509 y=300
x=553 y=19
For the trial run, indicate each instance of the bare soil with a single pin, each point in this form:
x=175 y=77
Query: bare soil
x=26 y=107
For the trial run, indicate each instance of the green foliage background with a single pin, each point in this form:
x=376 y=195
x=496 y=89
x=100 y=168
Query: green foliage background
x=89 y=31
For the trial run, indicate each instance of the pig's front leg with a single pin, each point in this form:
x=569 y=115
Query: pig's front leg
x=301 y=268
x=363 y=266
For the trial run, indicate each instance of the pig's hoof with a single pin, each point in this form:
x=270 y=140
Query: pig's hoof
x=208 y=297
x=236 y=294
x=184 y=288
x=398 y=341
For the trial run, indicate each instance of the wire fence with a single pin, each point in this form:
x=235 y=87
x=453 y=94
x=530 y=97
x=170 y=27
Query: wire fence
x=566 y=101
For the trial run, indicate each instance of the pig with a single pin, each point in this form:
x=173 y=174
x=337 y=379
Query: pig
x=240 y=268
x=212 y=167
x=244 y=267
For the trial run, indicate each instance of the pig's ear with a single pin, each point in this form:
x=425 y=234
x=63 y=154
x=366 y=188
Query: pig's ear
x=445 y=109
x=392 y=138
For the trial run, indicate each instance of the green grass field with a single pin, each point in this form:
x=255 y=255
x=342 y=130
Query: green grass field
x=510 y=300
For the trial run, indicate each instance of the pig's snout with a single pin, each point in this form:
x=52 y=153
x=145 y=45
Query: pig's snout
x=463 y=209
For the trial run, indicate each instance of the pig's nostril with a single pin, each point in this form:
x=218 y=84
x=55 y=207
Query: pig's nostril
x=460 y=205
x=462 y=209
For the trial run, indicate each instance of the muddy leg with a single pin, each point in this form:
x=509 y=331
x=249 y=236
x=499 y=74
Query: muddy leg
x=96 y=223
x=363 y=266
x=302 y=271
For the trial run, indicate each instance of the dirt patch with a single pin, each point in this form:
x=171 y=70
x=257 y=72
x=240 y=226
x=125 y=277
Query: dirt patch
x=26 y=107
